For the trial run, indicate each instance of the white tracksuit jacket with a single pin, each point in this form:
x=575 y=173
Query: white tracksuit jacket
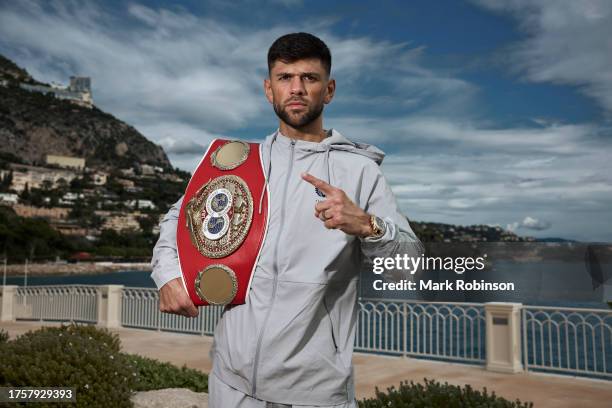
x=292 y=341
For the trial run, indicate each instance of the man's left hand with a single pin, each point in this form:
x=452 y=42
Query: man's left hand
x=337 y=211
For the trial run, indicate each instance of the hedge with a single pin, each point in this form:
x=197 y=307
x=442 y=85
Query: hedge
x=436 y=395
x=90 y=360
x=85 y=358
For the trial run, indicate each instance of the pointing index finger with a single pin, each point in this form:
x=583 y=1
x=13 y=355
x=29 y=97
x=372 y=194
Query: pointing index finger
x=318 y=183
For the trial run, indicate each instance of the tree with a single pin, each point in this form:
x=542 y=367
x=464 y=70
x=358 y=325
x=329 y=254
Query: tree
x=7 y=180
x=25 y=194
x=62 y=184
x=47 y=185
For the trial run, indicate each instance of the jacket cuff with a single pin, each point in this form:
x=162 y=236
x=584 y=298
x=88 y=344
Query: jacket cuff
x=389 y=235
x=164 y=273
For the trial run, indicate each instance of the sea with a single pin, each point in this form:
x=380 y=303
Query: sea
x=575 y=277
x=543 y=274
x=126 y=278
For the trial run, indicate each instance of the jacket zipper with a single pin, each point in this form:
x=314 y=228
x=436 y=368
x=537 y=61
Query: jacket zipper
x=275 y=281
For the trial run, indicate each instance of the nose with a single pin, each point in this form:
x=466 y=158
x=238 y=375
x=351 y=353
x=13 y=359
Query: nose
x=297 y=86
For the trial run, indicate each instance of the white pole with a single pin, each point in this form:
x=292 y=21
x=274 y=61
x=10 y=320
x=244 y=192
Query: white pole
x=25 y=281
x=4 y=275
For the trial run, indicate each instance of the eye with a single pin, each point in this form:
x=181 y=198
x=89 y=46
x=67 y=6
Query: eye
x=310 y=78
x=283 y=77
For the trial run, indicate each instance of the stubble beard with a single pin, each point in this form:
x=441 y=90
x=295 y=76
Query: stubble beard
x=304 y=119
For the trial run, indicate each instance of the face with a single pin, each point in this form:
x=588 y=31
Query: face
x=298 y=91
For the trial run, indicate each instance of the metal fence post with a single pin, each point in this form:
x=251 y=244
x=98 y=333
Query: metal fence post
x=159 y=314
x=524 y=346
x=405 y=329
x=71 y=292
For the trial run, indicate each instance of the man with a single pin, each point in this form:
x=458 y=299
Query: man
x=291 y=343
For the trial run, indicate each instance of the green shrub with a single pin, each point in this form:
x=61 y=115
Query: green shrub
x=82 y=357
x=433 y=395
x=89 y=359
x=4 y=336
x=89 y=332
x=154 y=375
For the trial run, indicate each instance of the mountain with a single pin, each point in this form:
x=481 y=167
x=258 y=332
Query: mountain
x=439 y=232
x=33 y=125
x=555 y=240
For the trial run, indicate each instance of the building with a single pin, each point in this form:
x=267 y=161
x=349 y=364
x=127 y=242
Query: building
x=99 y=178
x=119 y=221
x=134 y=189
x=125 y=182
x=141 y=204
x=56 y=214
x=128 y=172
x=171 y=177
x=77 y=163
x=9 y=198
x=70 y=198
x=78 y=92
x=69 y=228
x=80 y=84
x=37 y=177
x=147 y=170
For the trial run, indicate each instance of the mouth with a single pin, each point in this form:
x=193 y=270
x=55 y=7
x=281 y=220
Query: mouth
x=296 y=104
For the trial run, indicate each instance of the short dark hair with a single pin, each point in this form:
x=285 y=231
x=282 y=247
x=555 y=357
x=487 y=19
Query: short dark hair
x=296 y=46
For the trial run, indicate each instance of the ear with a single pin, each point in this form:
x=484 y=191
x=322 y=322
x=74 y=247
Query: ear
x=329 y=91
x=268 y=90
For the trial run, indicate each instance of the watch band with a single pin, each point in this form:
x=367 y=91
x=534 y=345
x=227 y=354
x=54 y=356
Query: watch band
x=379 y=227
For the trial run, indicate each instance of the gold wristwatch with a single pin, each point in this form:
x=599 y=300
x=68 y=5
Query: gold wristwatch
x=379 y=227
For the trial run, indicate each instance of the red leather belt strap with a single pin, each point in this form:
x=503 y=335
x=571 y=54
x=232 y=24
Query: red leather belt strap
x=221 y=227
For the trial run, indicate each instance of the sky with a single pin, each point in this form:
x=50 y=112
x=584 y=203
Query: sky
x=490 y=112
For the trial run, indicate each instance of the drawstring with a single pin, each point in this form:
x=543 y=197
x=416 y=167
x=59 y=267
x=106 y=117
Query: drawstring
x=327 y=150
x=267 y=173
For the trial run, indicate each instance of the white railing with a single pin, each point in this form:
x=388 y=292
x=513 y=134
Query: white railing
x=140 y=308
x=567 y=340
x=58 y=303
x=555 y=339
x=449 y=331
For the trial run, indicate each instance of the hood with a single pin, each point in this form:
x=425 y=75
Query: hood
x=334 y=141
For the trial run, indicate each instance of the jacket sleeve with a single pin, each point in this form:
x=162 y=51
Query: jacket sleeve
x=399 y=239
x=165 y=262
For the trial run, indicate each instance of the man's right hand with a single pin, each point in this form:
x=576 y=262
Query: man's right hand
x=174 y=299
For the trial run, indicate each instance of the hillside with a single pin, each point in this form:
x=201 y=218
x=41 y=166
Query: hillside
x=439 y=232
x=33 y=125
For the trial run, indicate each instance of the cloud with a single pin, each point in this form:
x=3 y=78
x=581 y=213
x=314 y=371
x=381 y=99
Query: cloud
x=184 y=79
x=181 y=146
x=534 y=224
x=469 y=173
x=406 y=133
x=158 y=66
x=529 y=223
x=567 y=43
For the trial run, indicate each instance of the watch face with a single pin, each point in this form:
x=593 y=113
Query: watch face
x=380 y=226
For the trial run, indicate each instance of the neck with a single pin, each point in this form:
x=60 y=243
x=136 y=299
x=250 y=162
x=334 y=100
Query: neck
x=314 y=132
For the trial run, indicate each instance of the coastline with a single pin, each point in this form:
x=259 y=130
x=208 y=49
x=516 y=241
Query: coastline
x=81 y=268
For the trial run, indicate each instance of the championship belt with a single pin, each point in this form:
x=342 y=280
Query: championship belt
x=221 y=226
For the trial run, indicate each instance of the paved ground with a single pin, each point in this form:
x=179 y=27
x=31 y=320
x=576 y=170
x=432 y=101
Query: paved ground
x=370 y=370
